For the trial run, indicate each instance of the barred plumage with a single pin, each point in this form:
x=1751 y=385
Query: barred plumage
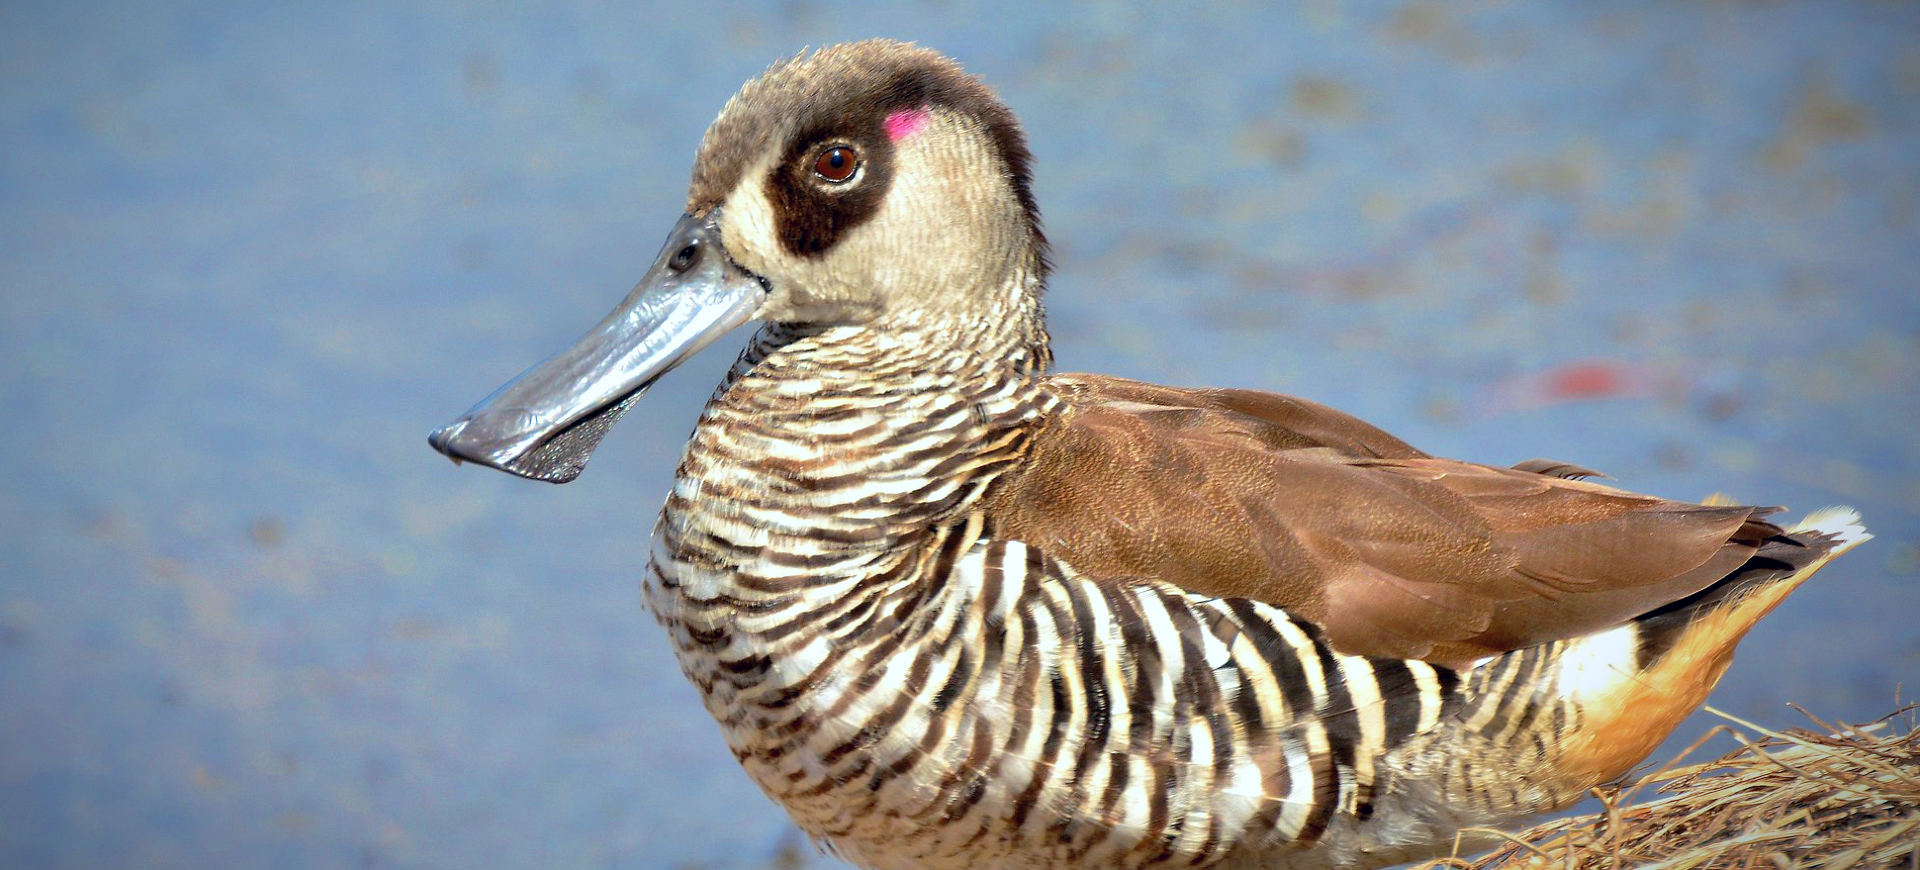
x=952 y=610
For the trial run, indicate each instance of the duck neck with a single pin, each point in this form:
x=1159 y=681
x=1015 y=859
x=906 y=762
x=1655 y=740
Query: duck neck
x=835 y=453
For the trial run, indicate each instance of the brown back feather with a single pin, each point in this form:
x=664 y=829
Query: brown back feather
x=1236 y=493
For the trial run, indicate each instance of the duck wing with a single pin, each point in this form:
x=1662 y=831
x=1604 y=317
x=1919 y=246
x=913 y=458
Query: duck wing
x=1242 y=494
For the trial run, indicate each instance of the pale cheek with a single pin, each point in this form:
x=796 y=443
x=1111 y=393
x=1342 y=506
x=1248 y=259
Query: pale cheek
x=941 y=210
x=747 y=225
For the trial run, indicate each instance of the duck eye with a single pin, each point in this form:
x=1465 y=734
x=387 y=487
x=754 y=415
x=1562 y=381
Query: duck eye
x=836 y=164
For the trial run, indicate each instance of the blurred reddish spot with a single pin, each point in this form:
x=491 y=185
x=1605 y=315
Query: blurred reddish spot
x=1581 y=381
x=1589 y=380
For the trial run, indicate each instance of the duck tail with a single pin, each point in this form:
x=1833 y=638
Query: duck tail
x=1633 y=685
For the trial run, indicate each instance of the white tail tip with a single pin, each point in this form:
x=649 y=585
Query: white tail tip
x=1840 y=523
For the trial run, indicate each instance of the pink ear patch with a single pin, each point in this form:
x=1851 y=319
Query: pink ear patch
x=907 y=122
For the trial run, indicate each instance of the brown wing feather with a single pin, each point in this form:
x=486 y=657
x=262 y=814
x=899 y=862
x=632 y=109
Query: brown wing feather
x=1393 y=552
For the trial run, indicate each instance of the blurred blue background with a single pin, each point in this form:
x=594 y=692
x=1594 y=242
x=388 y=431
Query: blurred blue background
x=252 y=253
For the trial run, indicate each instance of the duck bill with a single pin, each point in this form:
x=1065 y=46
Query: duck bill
x=545 y=423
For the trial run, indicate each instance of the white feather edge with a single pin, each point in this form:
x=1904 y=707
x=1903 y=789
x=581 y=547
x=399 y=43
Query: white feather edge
x=1840 y=523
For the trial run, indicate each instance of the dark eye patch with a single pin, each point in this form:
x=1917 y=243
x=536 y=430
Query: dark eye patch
x=812 y=202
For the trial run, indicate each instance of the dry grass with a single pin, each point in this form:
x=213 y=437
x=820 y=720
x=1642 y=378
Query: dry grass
x=1846 y=798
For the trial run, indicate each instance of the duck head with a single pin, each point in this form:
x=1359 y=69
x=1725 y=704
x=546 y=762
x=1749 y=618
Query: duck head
x=871 y=184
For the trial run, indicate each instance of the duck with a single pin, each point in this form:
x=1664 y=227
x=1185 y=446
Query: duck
x=952 y=609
